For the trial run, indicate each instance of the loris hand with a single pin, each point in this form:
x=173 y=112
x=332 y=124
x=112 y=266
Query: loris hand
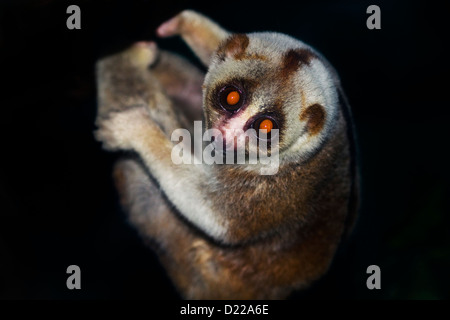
x=120 y=129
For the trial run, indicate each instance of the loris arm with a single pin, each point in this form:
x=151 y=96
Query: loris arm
x=201 y=34
x=184 y=185
x=137 y=128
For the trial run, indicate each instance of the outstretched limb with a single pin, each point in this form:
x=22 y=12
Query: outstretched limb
x=201 y=34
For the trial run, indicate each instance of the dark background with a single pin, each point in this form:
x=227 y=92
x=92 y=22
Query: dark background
x=57 y=203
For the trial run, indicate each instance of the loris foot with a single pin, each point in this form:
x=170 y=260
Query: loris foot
x=142 y=54
x=119 y=129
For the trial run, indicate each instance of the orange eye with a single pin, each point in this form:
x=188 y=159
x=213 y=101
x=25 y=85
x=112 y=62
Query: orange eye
x=264 y=126
x=267 y=125
x=233 y=97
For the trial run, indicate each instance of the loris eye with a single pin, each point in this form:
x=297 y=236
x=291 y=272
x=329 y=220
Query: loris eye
x=264 y=125
x=231 y=98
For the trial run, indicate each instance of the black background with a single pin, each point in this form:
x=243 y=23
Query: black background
x=57 y=203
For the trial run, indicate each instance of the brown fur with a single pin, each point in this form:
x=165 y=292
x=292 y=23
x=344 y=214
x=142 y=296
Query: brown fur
x=315 y=114
x=262 y=269
x=197 y=34
x=292 y=61
x=234 y=46
x=283 y=229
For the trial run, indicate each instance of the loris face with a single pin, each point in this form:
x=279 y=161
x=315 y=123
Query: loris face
x=269 y=81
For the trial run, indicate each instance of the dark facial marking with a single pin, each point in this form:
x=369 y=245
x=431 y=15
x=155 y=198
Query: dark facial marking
x=293 y=59
x=234 y=46
x=315 y=115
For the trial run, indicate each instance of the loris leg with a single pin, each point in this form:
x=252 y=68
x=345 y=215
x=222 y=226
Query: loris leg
x=200 y=33
x=144 y=75
x=185 y=255
x=125 y=80
x=199 y=268
x=145 y=203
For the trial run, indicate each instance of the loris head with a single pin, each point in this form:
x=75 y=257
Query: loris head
x=261 y=81
x=270 y=81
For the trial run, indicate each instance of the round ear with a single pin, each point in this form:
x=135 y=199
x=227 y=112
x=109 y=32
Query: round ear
x=234 y=46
